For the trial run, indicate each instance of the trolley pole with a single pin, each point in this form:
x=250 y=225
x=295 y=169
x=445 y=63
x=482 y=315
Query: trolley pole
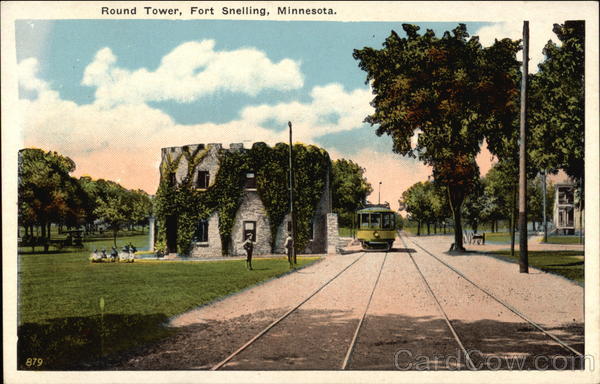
x=379 y=196
x=292 y=212
x=523 y=256
x=544 y=206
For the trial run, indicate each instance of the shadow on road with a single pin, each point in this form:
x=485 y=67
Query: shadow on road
x=318 y=340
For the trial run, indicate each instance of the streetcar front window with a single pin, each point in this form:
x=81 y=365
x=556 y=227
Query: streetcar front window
x=375 y=220
x=387 y=221
x=364 y=220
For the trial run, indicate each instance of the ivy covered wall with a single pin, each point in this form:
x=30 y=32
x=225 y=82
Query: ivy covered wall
x=180 y=198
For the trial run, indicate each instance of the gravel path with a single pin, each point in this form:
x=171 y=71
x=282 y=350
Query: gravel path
x=548 y=299
x=486 y=326
x=403 y=327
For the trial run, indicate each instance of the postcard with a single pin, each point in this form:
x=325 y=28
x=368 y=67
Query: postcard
x=362 y=191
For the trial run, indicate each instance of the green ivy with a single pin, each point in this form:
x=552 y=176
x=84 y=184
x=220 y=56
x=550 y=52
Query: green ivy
x=270 y=165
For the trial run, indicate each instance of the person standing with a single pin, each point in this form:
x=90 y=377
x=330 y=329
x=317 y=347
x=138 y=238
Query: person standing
x=249 y=247
x=289 y=246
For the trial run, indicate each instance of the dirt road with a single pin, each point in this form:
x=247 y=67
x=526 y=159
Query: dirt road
x=422 y=316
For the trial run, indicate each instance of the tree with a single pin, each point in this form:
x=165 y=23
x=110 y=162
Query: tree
x=349 y=189
x=473 y=208
x=496 y=192
x=558 y=107
x=558 y=101
x=47 y=193
x=417 y=203
x=449 y=90
x=141 y=207
x=114 y=206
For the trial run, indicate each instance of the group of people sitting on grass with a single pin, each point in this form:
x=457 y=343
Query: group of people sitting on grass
x=127 y=255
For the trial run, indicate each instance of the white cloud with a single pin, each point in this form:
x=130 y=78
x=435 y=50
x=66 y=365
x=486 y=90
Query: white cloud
x=540 y=31
x=28 y=76
x=190 y=71
x=124 y=140
x=332 y=109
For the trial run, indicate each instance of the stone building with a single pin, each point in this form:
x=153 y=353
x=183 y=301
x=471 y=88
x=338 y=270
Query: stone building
x=251 y=216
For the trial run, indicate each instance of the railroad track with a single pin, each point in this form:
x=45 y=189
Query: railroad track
x=443 y=313
x=561 y=343
x=264 y=331
x=349 y=351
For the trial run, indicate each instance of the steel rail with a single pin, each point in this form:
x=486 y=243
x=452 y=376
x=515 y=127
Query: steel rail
x=505 y=304
x=470 y=364
x=355 y=337
x=278 y=320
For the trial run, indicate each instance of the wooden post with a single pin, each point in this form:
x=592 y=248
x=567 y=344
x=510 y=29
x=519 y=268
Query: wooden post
x=523 y=256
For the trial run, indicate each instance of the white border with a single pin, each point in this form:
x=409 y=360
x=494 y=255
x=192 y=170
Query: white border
x=346 y=11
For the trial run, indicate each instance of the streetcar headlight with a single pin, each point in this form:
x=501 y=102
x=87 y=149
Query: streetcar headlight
x=376 y=234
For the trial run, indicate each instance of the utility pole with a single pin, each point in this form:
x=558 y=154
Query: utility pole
x=292 y=212
x=523 y=256
x=379 y=197
x=544 y=206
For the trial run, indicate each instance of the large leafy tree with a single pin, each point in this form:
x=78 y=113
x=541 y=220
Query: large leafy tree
x=47 y=192
x=349 y=189
x=557 y=116
x=449 y=90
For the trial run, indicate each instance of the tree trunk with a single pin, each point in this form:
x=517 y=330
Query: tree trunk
x=46 y=236
x=428 y=229
x=115 y=236
x=435 y=228
x=455 y=205
x=419 y=228
x=458 y=235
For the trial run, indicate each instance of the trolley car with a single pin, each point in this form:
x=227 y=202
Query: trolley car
x=376 y=227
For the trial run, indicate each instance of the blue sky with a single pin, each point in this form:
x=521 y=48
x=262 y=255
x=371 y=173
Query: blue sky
x=111 y=93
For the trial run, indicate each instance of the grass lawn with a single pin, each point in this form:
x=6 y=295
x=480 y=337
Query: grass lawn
x=563 y=240
x=569 y=264
x=500 y=237
x=345 y=232
x=60 y=320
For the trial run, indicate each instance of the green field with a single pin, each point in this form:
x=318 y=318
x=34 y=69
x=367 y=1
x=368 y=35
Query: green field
x=563 y=240
x=569 y=264
x=60 y=320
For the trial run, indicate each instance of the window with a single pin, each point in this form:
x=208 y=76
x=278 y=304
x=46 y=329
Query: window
x=250 y=181
x=203 y=179
x=250 y=228
x=172 y=179
x=201 y=234
x=364 y=220
x=387 y=221
x=565 y=195
x=375 y=220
